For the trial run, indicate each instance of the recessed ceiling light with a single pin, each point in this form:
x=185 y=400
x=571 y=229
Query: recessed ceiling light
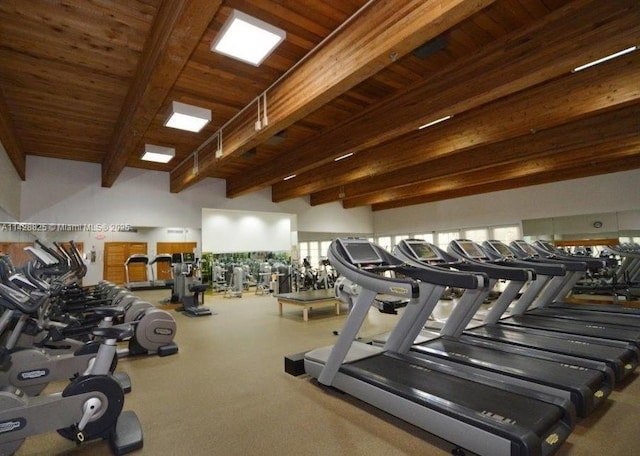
x=187 y=117
x=158 y=154
x=604 y=59
x=289 y=177
x=248 y=39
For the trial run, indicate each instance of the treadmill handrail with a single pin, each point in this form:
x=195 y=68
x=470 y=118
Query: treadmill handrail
x=493 y=270
x=435 y=276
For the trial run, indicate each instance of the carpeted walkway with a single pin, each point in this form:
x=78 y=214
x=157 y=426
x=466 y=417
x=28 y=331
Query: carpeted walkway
x=226 y=394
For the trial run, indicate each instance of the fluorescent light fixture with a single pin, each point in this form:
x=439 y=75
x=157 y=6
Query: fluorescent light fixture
x=604 y=59
x=158 y=154
x=248 y=39
x=437 y=121
x=187 y=117
x=289 y=177
x=343 y=156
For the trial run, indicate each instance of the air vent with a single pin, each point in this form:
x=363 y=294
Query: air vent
x=431 y=47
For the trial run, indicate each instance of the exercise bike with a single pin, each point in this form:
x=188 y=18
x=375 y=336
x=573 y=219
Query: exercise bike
x=89 y=408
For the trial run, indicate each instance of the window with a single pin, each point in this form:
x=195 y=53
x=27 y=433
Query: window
x=445 y=237
x=324 y=248
x=385 y=242
x=478 y=235
x=506 y=233
x=427 y=237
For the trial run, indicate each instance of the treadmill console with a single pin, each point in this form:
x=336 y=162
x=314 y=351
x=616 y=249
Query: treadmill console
x=526 y=248
x=501 y=248
x=471 y=249
x=360 y=251
x=423 y=251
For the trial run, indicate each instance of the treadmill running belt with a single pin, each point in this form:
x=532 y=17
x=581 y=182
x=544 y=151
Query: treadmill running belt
x=575 y=327
x=477 y=404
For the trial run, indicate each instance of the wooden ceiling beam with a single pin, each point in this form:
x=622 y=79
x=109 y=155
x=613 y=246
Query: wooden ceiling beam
x=10 y=140
x=175 y=33
x=578 y=95
x=383 y=32
x=615 y=156
x=547 y=49
x=603 y=127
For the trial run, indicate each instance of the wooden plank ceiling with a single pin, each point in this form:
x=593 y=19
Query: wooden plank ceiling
x=92 y=80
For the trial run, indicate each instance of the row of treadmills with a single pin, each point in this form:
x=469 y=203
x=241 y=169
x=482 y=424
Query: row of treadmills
x=513 y=384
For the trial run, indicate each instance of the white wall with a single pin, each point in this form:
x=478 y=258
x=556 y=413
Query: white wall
x=617 y=192
x=225 y=231
x=10 y=186
x=62 y=191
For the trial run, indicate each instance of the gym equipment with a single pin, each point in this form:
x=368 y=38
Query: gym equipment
x=187 y=285
x=457 y=404
x=554 y=289
x=235 y=276
x=162 y=260
x=89 y=408
x=586 y=383
x=620 y=356
x=137 y=259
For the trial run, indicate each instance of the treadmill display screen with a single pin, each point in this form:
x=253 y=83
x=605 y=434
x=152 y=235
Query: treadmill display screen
x=527 y=248
x=471 y=250
x=423 y=251
x=502 y=249
x=360 y=251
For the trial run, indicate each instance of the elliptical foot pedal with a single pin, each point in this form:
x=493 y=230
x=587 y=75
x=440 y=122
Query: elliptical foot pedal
x=169 y=349
x=127 y=436
x=124 y=380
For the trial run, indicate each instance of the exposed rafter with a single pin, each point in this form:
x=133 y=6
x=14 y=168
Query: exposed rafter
x=175 y=33
x=382 y=33
x=546 y=50
x=594 y=134
x=617 y=156
x=573 y=97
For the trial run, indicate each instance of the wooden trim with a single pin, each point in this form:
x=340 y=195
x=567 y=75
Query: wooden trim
x=382 y=29
x=586 y=242
x=176 y=32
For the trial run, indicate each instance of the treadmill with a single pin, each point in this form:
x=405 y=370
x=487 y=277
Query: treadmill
x=620 y=356
x=586 y=383
x=457 y=404
x=525 y=250
x=554 y=289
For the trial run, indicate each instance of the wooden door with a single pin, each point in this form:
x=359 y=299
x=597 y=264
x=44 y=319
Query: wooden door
x=164 y=272
x=16 y=252
x=115 y=254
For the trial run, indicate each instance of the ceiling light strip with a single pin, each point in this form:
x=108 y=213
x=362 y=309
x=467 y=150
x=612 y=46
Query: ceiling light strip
x=343 y=156
x=291 y=176
x=604 y=59
x=437 y=121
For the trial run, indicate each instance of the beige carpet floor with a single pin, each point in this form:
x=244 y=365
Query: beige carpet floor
x=226 y=393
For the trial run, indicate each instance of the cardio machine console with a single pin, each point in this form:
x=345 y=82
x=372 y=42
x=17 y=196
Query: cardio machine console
x=470 y=249
x=360 y=252
x=501 y=249
x=423 y=251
